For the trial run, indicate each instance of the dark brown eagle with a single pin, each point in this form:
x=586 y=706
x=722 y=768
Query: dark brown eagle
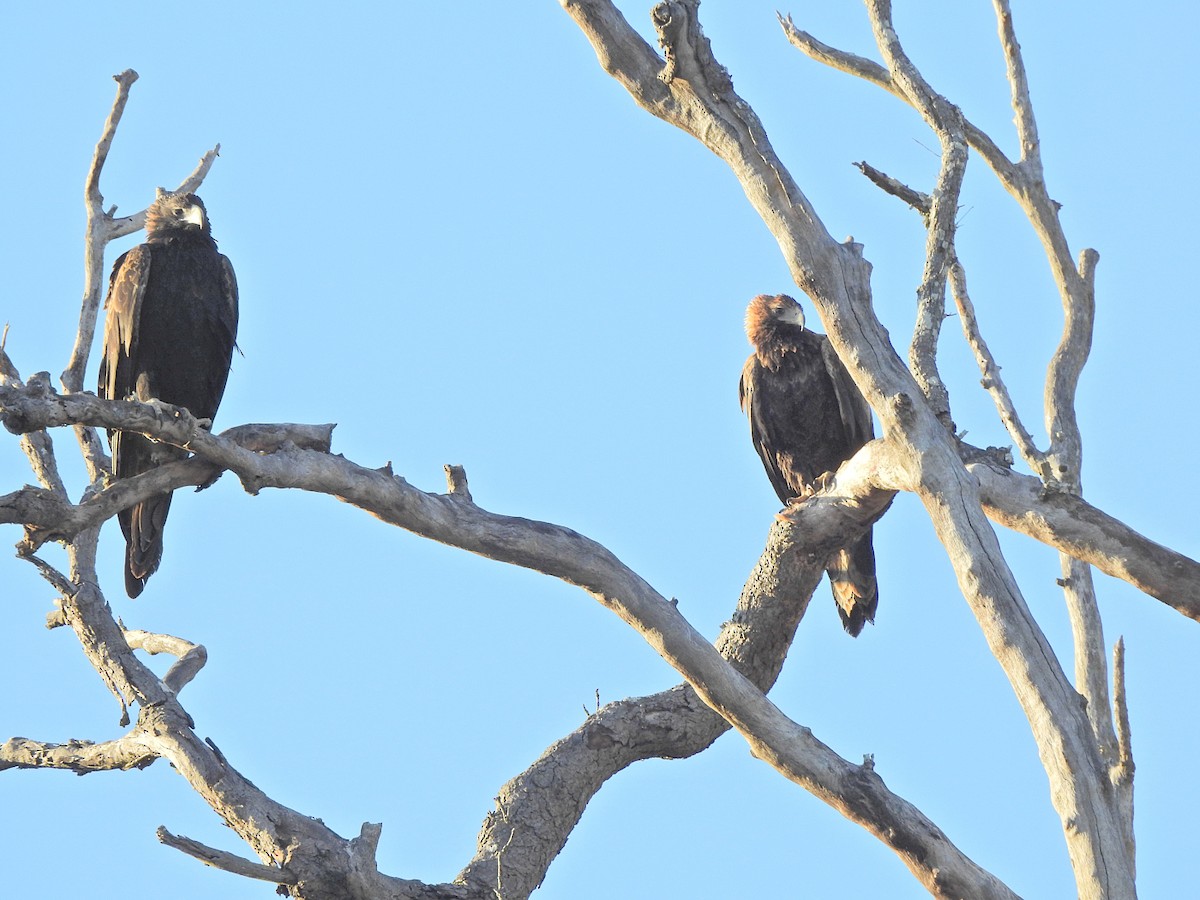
x=807 y=417
x=169 y=335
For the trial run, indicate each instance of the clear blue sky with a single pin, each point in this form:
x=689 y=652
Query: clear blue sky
x=459 y=239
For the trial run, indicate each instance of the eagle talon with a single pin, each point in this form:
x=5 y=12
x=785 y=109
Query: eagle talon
x=826 y=481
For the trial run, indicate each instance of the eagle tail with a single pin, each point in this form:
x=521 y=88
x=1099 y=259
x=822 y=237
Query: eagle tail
x=852 y=577
x=143 y=527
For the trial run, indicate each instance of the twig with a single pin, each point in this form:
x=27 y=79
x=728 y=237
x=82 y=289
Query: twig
x=991 y=380
x=227 y=862
x=190 y=658
x=918 y=200
x=1122 y=774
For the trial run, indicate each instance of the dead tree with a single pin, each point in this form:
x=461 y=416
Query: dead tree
x=1081 y=727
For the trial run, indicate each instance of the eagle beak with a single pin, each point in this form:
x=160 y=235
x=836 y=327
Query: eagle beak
x=195 y=216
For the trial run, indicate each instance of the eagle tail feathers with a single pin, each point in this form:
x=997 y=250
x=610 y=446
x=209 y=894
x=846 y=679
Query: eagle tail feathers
x=855 y=591
x=144 y=541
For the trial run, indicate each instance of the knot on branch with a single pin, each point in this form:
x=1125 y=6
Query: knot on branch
x=902 y=406
x=688 y=52
x=996 y=457
x=456 y=482
x=19 y=406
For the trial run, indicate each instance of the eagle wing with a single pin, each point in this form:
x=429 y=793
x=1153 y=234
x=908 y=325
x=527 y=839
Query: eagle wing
x=229 y=322
x=126 y=288
x=853 y=407
x=764 y=427
x=229 y=287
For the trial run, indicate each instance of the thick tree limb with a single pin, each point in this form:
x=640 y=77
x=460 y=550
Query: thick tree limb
x=1074 y=526
x=673 y=724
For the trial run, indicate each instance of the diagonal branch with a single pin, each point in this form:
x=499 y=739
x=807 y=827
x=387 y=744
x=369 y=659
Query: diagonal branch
x=225 y=861
x=992 y=382
x=1075 y=527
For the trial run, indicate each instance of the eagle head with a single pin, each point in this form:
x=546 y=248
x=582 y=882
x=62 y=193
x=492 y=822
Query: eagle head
x=176 y=215
x=769 y=318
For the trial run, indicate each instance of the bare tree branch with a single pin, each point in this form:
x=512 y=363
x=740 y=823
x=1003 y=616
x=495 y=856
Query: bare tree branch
x=991 y=381
x=72 y=377
x=918 y=200
x=190 y=658
x=47 y=517
x=946 y=120
x=36 y=445
x=228 y=862
x=1021 y=103
x=80 y=757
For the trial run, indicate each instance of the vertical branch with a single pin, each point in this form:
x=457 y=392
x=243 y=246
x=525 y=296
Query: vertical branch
x=1122 y=772
x=1062 y=376
x=1065 y=453
x=95 y=240
x=97 y=221
x=946 y=120
x=1021 y=102
x=1087 y=631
